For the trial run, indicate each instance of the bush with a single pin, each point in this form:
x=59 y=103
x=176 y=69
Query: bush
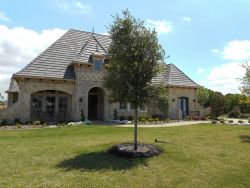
x=167 y=120
x=157 y=116
x=240 y=121
x=230 y=121
x=3 y=122
x=156 y=119
x=17 y=121
x=122 y=118
x=243 y=116
x=214 y=121
x=234 y=114
x=150 y=120
x=37 y=123
x=222 y=121
x=248 y=120
x=142 y=120
x=130 y=118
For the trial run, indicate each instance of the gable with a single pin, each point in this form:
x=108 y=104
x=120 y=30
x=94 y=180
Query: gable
x=172 y=76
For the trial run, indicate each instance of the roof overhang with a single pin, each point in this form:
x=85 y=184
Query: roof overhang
x=17 y=77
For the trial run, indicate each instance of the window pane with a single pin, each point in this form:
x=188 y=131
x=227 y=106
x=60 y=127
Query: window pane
x=98 y=65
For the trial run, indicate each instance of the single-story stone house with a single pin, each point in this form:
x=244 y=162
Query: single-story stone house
x=65 y=82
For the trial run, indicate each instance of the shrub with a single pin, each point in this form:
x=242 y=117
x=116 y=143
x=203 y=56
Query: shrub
x=142 y=120
x=240 y=121
x=167 y=120
x=122 y=118
x=150 y=120
x=156 y=119
x=115 y=114
x=19 y=126
x=234 y=114
x=130 y=118
x=3 y=122
x=17 y=121
x=214 y=121
x=222 y=121
x=157 y=116
x=243 y=116
x=37 y=123
x=248 y=120
x=230 y=121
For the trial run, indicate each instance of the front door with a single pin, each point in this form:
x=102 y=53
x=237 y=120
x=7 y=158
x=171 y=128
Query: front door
x=92 y=107
x=183 y=106
x=50 y=108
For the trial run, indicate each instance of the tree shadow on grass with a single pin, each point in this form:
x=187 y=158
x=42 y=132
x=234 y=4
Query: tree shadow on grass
x=99 y=161
x=245 y=138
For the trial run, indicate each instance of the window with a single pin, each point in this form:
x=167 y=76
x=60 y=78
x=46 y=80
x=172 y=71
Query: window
x=63 y=104
x=98 y=65
x=37 y=105
x=123 y=106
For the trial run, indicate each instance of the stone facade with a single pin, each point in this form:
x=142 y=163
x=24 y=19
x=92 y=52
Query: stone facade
x=86 y=79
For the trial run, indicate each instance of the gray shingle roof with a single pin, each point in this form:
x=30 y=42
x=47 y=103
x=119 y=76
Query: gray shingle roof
x=172 y=76
x=55 y=61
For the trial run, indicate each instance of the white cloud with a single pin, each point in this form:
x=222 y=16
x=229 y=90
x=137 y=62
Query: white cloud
x=18 y=46
x=200 y=70
x=161 y=26
x=224 y=78
x=237 y=50
x=186 y=19
x=215 y=50
x=75 y=7
x=3 y=16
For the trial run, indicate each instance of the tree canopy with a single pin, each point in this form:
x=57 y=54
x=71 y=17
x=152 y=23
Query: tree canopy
x=245 y=81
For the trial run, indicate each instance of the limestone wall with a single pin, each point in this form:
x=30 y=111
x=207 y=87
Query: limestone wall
x=29 y=86
x=175 y=93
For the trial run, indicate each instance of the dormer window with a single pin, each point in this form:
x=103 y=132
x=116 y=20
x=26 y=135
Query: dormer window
x=98 y=65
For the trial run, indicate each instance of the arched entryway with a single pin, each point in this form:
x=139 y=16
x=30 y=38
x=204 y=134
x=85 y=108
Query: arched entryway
x=96 y=104
x=50 y=106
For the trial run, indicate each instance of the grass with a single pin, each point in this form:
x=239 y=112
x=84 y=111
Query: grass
x=195 y=156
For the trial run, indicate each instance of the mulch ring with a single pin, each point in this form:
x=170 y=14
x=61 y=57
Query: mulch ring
x=143 y=150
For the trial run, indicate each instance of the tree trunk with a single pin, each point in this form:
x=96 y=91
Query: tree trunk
x=135 y=128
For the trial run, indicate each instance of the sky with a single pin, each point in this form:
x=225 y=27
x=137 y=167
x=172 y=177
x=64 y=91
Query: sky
x=207 y=39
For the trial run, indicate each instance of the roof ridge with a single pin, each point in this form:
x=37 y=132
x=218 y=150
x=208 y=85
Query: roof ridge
x=83 y=47
x=30 y=63
x=100 y=44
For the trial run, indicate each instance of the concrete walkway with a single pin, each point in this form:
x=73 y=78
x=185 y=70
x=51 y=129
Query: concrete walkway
x=172 y=124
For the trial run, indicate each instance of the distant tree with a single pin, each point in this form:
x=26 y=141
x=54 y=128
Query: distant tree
x=2 y=100
x=204 y=96
x=245 y=81
x=135 y=58
x=217 y=105
x=231 y=100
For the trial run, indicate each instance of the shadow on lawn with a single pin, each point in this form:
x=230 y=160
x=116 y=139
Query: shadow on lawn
x=245 y=138
x=99 y=161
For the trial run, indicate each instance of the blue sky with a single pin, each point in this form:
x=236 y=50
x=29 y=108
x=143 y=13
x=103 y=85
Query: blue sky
x=208 y=40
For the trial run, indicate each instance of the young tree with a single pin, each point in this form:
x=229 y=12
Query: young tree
x=135 y=57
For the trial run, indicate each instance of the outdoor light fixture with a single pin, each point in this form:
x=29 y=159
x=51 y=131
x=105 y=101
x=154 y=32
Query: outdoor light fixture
x=80 y=100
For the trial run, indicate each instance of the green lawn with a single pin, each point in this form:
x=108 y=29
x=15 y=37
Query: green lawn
x=195 y=156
